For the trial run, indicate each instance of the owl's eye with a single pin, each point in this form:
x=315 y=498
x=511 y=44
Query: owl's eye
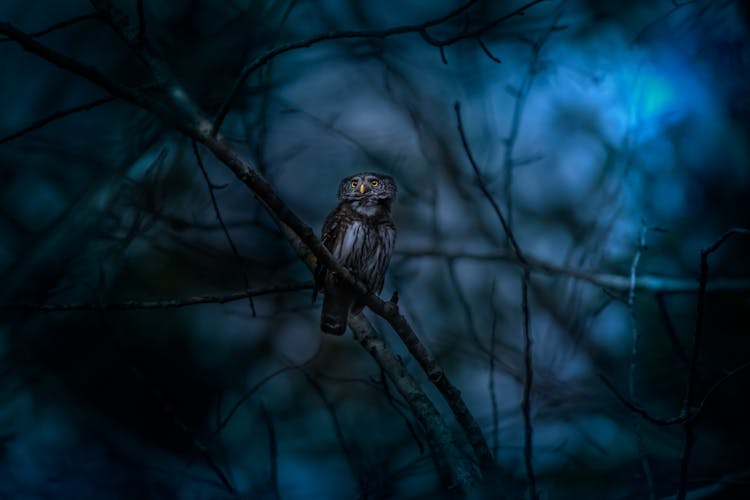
x=374 y=183
x=354 y=184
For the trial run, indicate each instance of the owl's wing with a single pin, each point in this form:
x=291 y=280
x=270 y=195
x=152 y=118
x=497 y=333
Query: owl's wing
x=328 y=238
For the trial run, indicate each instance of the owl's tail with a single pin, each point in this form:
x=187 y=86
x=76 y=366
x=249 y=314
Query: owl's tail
x=335 y=314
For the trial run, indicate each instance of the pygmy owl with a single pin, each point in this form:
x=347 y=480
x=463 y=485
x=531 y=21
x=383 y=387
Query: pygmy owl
x=360 y=234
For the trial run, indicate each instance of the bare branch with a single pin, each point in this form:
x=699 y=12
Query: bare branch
x=684 y=416
x=483 y=187
x=141 y=21
x=88 y=72
x=641 y=411
x=453 y=469
x=217 y=211
x=57 y=26
x=273 y=452
x=199 y=446
x=671 y=332
x=195 y=128
x=519 y=104
x=528 y=343
x=493 y=396
x=57 y=115
x=645 y=465
x=697 y=340
x=159 y=304
x=351 y=459
x=246 y=397
x=527 y=384
x=487 y=51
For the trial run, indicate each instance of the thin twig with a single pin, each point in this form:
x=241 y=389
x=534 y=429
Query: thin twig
x=483 y=187
x=141 y=22
x=527 y=385
x=683 y=416
x=487 y=51
x=493 y=396
x=525 y=278
x=57 y=115
x=196 y=442
x=57 y=26
x=639 y=410
x=245 y=397
x=160 y=304
x=273 y=452
x=634 y=358
x=697 y=341
x=456 y=285
x=90 y=73
x=217 y=211
x=671 y=332
x=351 y=457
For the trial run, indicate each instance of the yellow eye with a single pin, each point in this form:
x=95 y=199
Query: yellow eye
x=354 y=184
x=374 y=184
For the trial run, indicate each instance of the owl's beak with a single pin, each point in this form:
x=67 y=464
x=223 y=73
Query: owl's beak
x=362 y=188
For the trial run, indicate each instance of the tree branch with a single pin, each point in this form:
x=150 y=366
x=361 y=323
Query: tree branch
x=525 y=278
x=636 y=336
x=57 y=26
x=527 y=384
x=131 y=305
x=57 y=115
x=697 y=340
x=90 y=73
x=453 y=469
x=521 y=259
x=195 y=127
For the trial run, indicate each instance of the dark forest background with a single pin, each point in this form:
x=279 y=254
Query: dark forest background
x=566 y=172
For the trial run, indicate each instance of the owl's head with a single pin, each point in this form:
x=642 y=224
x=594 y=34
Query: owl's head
x=368 y=188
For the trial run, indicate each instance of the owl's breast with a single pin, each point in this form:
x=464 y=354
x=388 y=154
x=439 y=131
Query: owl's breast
x=350 y=240
x=365 y=250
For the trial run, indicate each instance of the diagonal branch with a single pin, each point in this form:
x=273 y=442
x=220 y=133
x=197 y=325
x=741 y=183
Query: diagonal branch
x=452 y=468
x=193 y=126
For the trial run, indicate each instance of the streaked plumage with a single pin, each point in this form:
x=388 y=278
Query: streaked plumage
x=361 y=235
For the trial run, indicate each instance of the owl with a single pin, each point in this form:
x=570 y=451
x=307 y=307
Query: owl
x=360 y=234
